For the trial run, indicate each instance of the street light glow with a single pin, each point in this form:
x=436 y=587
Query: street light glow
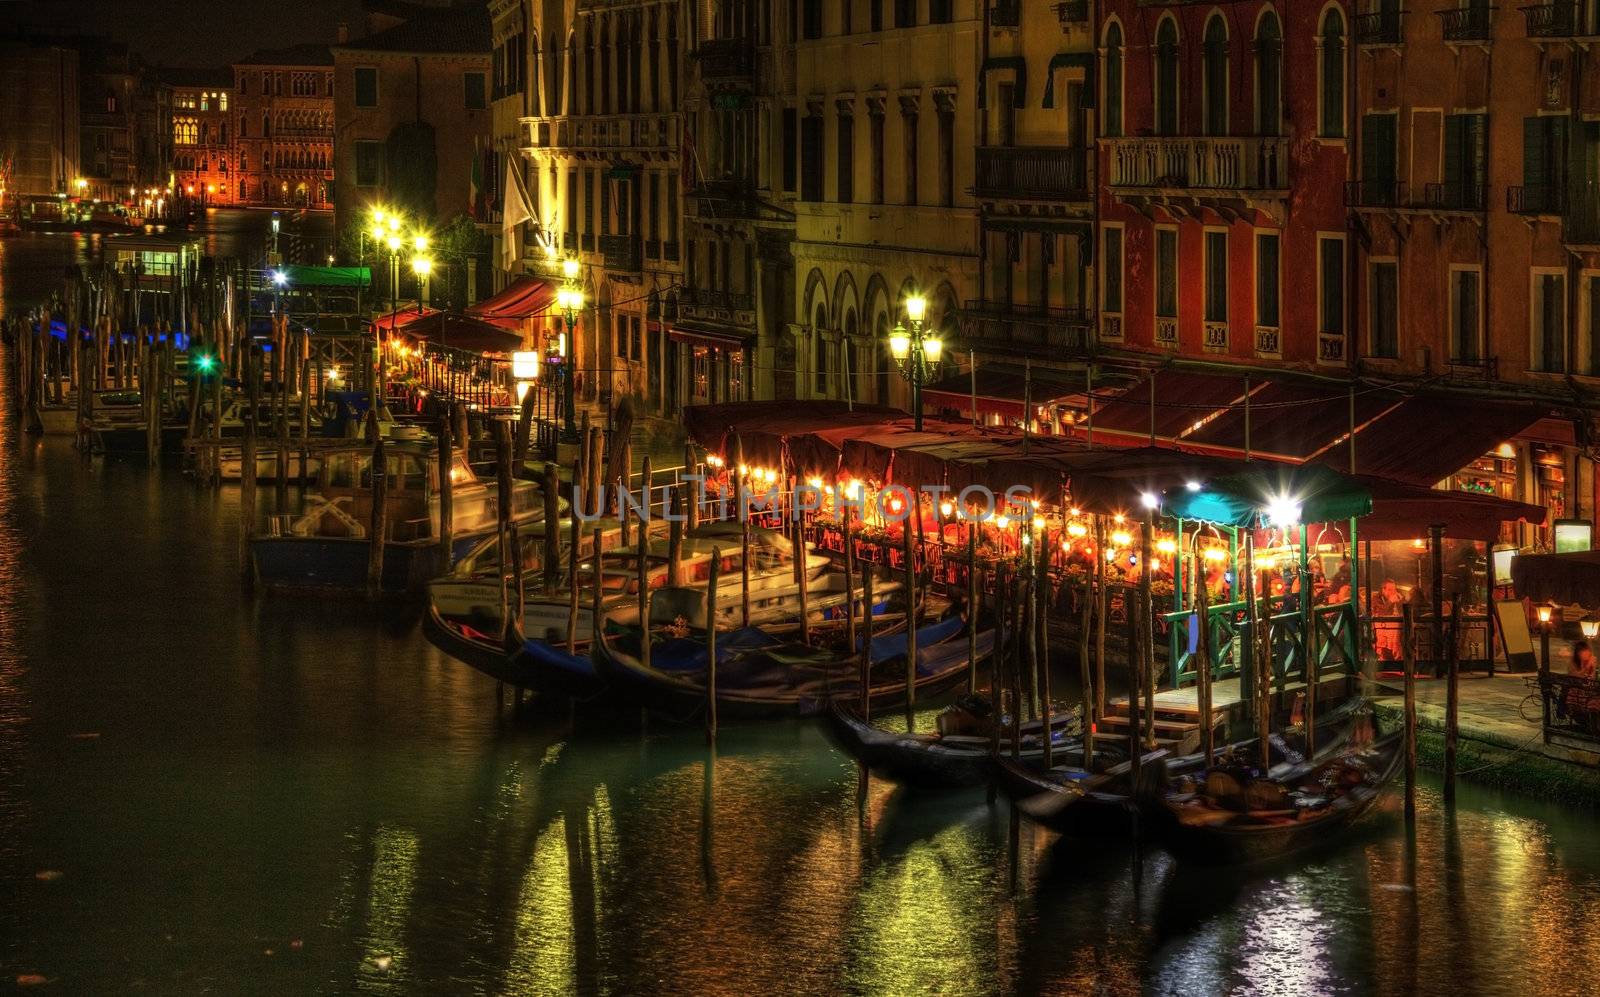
x=899 y=343
x=916 y=307
x=569 y=268
x=421 y=266
x=280 y=278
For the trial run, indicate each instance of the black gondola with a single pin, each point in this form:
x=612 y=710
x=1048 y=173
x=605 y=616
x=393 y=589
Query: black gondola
x=950 y=761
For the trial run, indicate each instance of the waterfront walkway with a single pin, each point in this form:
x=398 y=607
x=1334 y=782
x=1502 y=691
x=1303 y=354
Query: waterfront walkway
x=1495 y=711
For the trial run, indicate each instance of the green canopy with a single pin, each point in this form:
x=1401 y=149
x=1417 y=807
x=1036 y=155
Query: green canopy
x=306 y=276
x=1267 y=493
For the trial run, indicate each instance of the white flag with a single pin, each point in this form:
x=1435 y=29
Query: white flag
x=512 y=214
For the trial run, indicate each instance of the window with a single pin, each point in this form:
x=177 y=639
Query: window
x=905 y=13
x=1330 y=285
x=1216 y=288
x=811 y=18
x=1378 y=160
x=947 y=158
x=1113 y=87
x=908 y=122
x=876 y=14
x=1268 y=285
x=1005 y=114
x=1111 y=270
x=572 y=209
x=473 y=82
x=1330 y=119
x=1544 y=163
x=369 y=164
x=366 y=86
x=819 y=351
x=791 y=142
x=811 y=141
x=1589 y=306
x=591 y=183
x=1167 y=272
x=844 y=16
x=1465 y=314
x=1167 y=77
x=1214 y=97
x=1269 y=75
x=846 y=154
x=939 y=11
x=1547 y=315
x=1385 y=303
x=875 y=137
x=1465 y=162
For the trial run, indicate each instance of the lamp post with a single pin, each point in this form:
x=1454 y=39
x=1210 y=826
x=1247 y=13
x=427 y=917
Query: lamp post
x=915 y=352
x=275 y=223
x=421 y=266
x=394 y=276
x=569 y=301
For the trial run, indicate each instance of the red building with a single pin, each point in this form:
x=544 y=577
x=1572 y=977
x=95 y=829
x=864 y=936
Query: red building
x=1222 y=148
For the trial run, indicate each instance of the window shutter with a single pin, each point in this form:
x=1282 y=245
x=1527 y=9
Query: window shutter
x=1452 y=152
x=1534 y=178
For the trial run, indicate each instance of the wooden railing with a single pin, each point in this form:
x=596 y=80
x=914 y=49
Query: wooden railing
x=1246 y=163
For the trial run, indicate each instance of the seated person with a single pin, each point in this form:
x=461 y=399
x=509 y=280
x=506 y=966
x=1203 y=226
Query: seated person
x=1581 y=702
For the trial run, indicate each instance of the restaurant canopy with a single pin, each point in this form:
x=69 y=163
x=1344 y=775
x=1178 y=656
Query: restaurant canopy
x=511 y=307
x=811 y=431
x=1565 y=579
x=450 y=329
x=1268 y=494
x=1427 y=438
x=1404 y=511
x=1002 y=390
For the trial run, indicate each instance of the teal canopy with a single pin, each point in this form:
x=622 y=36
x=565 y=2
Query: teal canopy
x=306 y=276
x=1315 y=493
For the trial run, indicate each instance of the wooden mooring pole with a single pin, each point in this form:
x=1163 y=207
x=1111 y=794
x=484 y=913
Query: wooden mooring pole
x=1409 y=663
x=1452 y=701
x=711 y=645
x=380 y=520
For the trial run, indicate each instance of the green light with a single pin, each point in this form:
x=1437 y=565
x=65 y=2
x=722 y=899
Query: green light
x=205 y=362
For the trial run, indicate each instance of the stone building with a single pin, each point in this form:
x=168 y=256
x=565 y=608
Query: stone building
x=283 y=127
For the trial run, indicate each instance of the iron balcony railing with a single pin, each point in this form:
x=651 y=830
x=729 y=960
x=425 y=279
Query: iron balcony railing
x=1467 y=24
x=1374 y=193
x=705 y=297
x=1380 y=27
x=621 y=252
x=1455 y=196
x=1243 y=163
x=1004 y=323
x=1073 y=12
x=1554 y=20
x=1032 y=172
x=1536 y=199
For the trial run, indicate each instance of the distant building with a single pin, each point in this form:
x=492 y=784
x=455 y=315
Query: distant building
x=284 y=127
x=108 y=92
x=204 y=164
x=412 y=115
x=38 y=118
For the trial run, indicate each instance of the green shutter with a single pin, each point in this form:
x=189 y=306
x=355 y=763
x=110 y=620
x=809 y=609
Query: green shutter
x=1453 y=128
x=1534 y=177
x=1377 y=149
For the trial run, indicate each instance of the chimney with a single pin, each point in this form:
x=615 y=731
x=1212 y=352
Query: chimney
x=343 y=32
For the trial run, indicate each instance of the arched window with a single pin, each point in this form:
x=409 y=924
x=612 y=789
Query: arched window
x=1215 y=94
x=1269 y=75
x=1113 y=82
x=1330 y=117
x=1167 y=77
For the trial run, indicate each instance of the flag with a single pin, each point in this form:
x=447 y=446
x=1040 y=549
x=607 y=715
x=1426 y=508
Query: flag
x=475 y=183
x=512 y=215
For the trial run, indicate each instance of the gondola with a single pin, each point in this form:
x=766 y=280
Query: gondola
x=763 y=673
x=1073 y=802
x=951 y=761
x=1318 y=802
x=536 y=665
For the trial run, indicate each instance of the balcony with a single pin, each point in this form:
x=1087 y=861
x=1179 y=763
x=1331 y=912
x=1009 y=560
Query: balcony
x=622 y=253
x=1467 y=24
x=1111 y=327
x=1005 y=14
x=1556 y=20
x=604 y=132
x=1455 y=196
x=998 y=326
x=1540 y=199
x=1374 y=194
x=1383 y=27
x=1073 y=12
x=1216 y=336
x=1167 y=331
x=703 y=304
x=1269 y=341
x=1202 y=164
x=731 y=198
x=1032 y=173
x=727 y=60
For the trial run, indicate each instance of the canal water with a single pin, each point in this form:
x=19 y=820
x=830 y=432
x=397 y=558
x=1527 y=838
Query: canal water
x=203 y=791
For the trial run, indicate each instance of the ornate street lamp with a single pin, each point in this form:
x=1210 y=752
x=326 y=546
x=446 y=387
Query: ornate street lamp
x=915 y=352
x=422 y=266
x=569 y=302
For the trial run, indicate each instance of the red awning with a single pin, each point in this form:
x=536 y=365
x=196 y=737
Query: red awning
x=448 y=329
x=1565 y=579
x=1184 y=401
x=405 y=322
x=1425 y=439
x=1403 y=511
x=522 y=299
x=1001 y=390
x=1293 y=421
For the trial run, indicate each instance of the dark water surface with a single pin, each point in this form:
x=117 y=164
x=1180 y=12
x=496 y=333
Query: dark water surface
x=204 y=792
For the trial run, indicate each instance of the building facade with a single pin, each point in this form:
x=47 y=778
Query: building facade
x=509 y=90
x=603 y=137
x=203 y=157
x=283 y=127
x=412 y=116
x=108 y=97
x=39 y=151
x=886 y=122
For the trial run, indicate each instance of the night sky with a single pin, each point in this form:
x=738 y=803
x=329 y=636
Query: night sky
x=190 y=32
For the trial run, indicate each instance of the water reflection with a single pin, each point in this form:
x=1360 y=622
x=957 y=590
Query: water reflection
x=265 y=772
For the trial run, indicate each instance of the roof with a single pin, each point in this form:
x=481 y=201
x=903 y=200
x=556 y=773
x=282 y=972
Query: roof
x=452 y=31
x=294 y=55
